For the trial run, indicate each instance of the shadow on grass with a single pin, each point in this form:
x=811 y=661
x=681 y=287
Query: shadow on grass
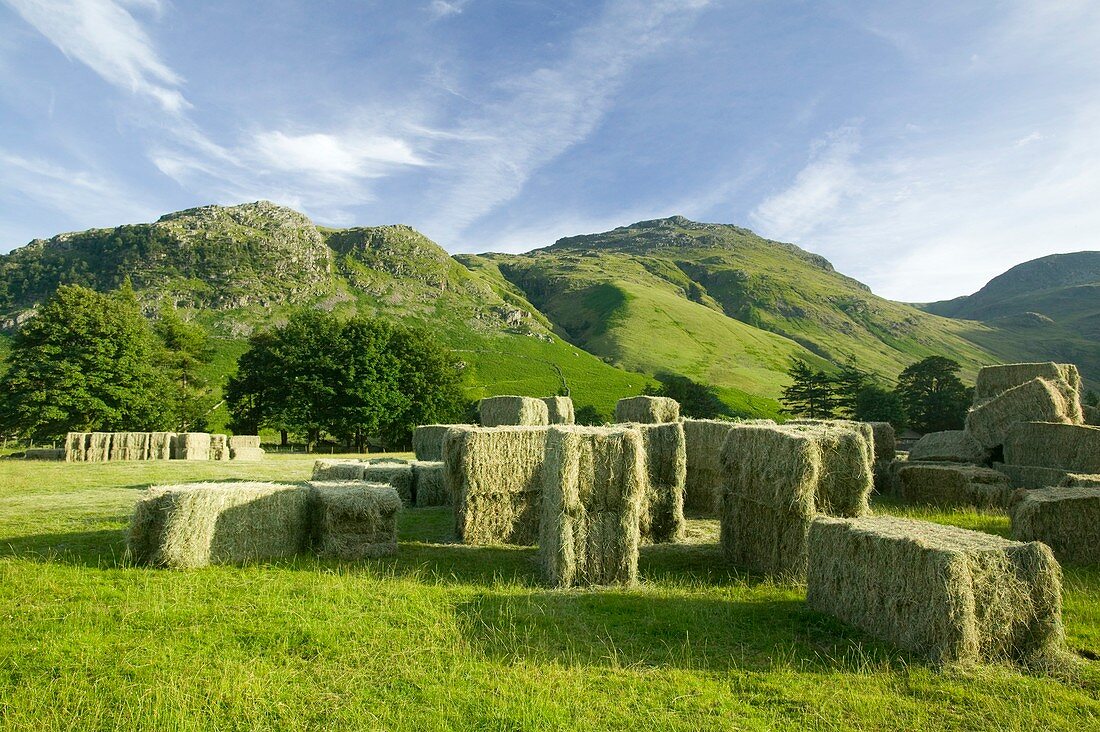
x=103 y=548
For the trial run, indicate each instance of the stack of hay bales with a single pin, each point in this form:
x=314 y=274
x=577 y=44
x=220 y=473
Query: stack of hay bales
x=662 y=516
x=593 y=488
x=76 y=447
x=778 y=478
x=993 y=381
x=198 y=524
x=245 y=448
x=160 y=445
x=647 y=410
x=219 y=447
x=560 y=410
x=1076 y=480
x=429 y=486
x=98 y=449
x=428 y=441
x=191 y=446
x=953 y=484
x=354 y=520
x=1074 y=448
x=326 y=469
x=953 y=595
x=503 y=411
x=398 y=475
x=704 y=480
x=952 y=446
x=1037 y=400
x=494 y=475
x=130 y=446
x=1065 y=519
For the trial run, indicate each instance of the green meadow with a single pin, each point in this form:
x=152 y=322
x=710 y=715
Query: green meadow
x=445 y=636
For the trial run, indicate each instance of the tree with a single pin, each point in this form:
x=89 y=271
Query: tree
x=87 y=361
x=876 y=404
x=849 y=382
x=933 y=396
x=811 y=393
x=696 y=400
x=186 y=353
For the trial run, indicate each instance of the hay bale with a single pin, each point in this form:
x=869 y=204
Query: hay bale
x=326 y=469
x=99 y=447
x=44 y=453
x=428 y=484
x=647 y=410
x=354 y=519
x=160 y=445
x=777 y=479
x=885 y=441
x=191 y=446
x=1037 y=400
x=76 y=447
x=428 y=441
x=198 y=524
x=1079 y=480
x=247 y=454
x=219 y=447
x=704 y=439
x=1091 y=415
x=396 y=475
x=662 y=516
x=501 y=411
x=1065 y=519
x=953 y=595
x=593 y=489
x=494 y=475
x=130 y=446
x=996 y=380
x=560 y=410
x=237 y=442
x=954 y=485
x=952 y=446
x=1027 y=476
x=1072 y=447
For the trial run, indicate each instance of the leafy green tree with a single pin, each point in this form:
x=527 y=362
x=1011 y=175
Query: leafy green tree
x=696 y=399
x=876 y=404
x=187 y=353
x=811 y=393
x=933 y=396
x=86 y=361
x=848 y=383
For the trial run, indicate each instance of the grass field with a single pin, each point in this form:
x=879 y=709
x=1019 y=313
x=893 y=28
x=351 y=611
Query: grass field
x=451 y=637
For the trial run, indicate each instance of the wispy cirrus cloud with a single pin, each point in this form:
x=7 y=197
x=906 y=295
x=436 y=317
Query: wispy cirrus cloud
x=445 y=8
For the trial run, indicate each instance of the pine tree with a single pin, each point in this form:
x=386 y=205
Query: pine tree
x=933 y=396
x=811 y=393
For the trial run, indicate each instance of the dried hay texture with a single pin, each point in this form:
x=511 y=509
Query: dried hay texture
x=1037 y=400
x=1065 y=519
x=160 y=445
x=219 y=447
x=647 y=410
x=886 y=442
x=397 y=475
x=703 y=483
x=76 y=447
x=236 y=442
x=494 y=475
x=428 y=441
x=995 y=380
x=1028 y=476
x=662 y=517
x=1078 y=480
x=327 y=469
x=777 y=479
x=247 y=454
x=428 y=484
x=1071 y=447
x=44 y=453
x=952 y=446
x=1091 y=415
x=130 y=446
x=864 y=428
x=99 y=447
x=354 y=520
x=593 y=489
x=952 y=595
x=198 y=524
x=560 y=410
x=191 y=446
x=954 y=485
x=500 y=411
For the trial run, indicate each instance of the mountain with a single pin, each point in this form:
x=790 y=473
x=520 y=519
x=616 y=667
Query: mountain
x=600 y=314
x=1047 y=308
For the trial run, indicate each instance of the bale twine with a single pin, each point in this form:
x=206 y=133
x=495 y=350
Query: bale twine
x=494 y=475
x=647 y=410
x=501 y=411
x=952 y=446
x=197 y=524
x=662 y=516
x=560 y=410
x=76 y=447
x=952 y=595
x=951 y=485
x=1065 y=519
x=993 y=381
x=1037 y=400
x=354 y=520
x=594 y=484
x=428 y=484
x=1074 y=448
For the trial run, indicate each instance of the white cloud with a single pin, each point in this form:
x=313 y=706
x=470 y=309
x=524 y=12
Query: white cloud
x=103 y=35
x=443 y=9
x=329 y=155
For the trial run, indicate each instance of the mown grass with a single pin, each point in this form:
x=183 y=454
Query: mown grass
x=451 y=637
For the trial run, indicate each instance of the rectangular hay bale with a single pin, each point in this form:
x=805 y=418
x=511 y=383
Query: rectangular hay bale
x=1071 y=447
x=704 y=478
x=500 y=411
x=1065 y=519
x=160 y=445
x=130 y=446
x=198 y=524
x=219 y=447
x=246 y=454
x=952 y=446
x=950 y=594
x=354 y=519
x=397 y=475
x=560 y=410
x=429 y=486
x=1037 y=400
x=647 y=410
x=99 y=447
x=950 y=485
x=328 y=469
x=236 y=442
x=593 y=488
x=494 y=476
x=428 y=441
x=993 y=381
x=76 y=447
x=662 y=516
x=191 y=446
x=1028 y=476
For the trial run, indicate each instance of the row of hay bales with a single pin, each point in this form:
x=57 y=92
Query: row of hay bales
x=199 y=524
x=97 y=447
x=417 y=482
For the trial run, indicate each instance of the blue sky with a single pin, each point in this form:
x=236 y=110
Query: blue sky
x=922 y=147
